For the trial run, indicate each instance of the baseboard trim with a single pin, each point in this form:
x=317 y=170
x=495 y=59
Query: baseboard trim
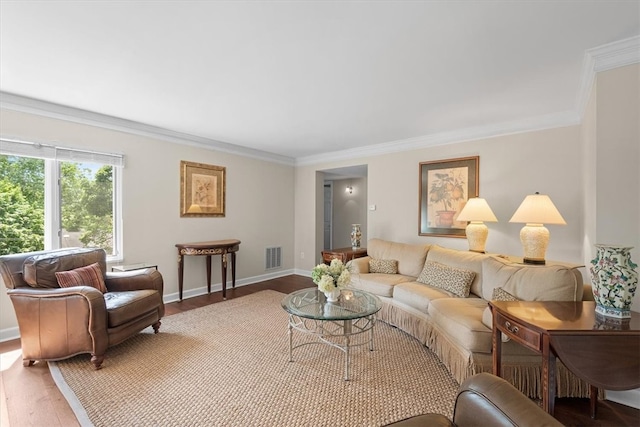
x=216 y=287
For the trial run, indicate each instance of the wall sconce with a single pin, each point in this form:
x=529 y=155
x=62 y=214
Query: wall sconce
x=536 y=210
x=349 y=189
x=476 y=211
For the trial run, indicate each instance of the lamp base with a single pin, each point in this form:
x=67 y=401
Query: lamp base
x=533 y=261
x=477 y=234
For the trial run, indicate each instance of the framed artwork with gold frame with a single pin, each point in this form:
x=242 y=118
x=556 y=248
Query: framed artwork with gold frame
x=202 y=190
x=445 y=187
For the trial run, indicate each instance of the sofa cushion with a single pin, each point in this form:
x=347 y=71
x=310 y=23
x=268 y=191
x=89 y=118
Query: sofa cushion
x=461 y=259
x=461 y=320
x=91 y=275
x=451 y=279
x=378 y=283
x=418 y=295
x=410 y=257
x=125 y=306
x=388 y=266
x=532 y=282
x=39 y=270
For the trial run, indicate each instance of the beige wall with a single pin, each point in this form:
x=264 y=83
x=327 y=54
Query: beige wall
x=259 y=202
x=510 y=168
x=617 y=160
x=349 y=209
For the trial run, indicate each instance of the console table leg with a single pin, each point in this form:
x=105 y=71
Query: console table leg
x=233 y=269
x=208 y=274
x=180 y=274
x=223 y=260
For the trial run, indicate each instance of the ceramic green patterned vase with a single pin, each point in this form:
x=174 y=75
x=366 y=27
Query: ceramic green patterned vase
x=614 y=280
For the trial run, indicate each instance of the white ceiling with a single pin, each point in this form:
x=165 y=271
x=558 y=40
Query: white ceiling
x=302 y=78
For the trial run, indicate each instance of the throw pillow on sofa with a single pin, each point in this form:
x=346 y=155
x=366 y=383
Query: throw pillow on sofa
x=90 y=275
x=387 y=266
x=455 y=280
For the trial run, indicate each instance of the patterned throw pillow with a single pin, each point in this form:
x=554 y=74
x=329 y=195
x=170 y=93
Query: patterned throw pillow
x=500 y=294
x=452 y=279
x=91 y=275
x=387 y=266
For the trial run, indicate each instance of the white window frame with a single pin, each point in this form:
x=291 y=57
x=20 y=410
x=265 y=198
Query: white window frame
x=53 y=156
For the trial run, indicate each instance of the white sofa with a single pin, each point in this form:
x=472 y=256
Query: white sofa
x=457 y=326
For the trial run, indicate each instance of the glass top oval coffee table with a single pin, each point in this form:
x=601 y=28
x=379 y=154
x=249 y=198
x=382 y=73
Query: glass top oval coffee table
x=339 y=324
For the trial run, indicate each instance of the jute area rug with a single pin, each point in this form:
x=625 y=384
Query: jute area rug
x=227 y=364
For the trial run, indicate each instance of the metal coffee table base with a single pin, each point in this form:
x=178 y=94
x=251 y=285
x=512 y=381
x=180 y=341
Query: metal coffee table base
x=333 y=332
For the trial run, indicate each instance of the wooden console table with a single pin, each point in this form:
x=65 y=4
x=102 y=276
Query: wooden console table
x=343 y=254
x=601 y=351
x=216 y=247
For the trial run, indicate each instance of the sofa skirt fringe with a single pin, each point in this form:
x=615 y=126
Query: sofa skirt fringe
x=523 y=371
x=395 y=316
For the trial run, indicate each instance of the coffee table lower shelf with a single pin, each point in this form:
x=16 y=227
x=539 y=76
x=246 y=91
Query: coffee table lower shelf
x=336 y=333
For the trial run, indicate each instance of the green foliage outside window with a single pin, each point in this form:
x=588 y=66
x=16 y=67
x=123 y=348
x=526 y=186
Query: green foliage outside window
x=86 y=204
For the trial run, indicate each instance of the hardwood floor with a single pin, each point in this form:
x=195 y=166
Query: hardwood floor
x=31 y=398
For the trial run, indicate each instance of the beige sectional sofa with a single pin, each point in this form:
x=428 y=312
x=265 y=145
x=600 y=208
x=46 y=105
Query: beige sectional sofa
x=454 y=321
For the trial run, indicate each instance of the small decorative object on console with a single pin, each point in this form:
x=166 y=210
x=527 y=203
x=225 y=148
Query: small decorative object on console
x=331 y=278
x=615 y=280
x=356 y=235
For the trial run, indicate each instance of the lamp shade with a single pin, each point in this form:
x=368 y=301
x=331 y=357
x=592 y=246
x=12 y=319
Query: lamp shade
x=537 y=209
x=477 y=209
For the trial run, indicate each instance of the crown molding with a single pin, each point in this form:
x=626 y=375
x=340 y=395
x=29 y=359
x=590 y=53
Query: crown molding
x=24 y=104
x=616 y=54
x=550 y=121
x=603 y=58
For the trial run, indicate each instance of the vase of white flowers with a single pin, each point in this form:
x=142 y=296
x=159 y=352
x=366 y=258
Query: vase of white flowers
x=331 y=278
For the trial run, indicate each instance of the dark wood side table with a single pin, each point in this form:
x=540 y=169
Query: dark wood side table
x=343 y=254
x=604 y=352
x=216 y=247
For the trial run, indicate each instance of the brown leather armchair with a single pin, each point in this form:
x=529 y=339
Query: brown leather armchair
x=486 y=400
x=56 y=323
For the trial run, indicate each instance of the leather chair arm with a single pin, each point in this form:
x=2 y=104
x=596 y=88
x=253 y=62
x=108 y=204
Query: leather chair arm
x=426 y=420
x=135 y=280
x=484 y=399
x=55 y=323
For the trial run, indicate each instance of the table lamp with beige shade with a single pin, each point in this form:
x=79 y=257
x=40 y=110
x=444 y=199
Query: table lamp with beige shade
x=535 y=211
x=476 y=211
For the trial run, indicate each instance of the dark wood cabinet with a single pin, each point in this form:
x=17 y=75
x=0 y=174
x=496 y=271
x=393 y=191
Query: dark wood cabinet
x=344 y=254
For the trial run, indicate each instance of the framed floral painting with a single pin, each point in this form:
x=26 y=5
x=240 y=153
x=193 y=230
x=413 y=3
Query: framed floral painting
x=445 y=187
x=202 y=190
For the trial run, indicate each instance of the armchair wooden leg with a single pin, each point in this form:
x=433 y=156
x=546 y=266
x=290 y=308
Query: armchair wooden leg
x=156 y=327
x=97 y=361
x=27 y=363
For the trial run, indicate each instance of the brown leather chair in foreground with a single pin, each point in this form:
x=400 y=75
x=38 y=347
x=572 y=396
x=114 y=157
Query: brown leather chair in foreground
x=56 y=323
x=486 y=400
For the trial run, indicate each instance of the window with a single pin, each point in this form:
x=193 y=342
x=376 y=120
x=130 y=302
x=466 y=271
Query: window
x=54 y=197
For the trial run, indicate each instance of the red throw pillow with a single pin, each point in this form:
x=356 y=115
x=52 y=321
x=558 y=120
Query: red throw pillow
x=91 y=275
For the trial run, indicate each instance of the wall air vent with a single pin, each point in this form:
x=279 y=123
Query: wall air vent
x=273 y=258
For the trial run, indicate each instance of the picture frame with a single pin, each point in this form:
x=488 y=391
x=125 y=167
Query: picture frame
x=445 y=186
x=202 y=190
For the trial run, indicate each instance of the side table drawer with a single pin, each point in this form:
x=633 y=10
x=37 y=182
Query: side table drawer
x=519 y=332
x=328 y=256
